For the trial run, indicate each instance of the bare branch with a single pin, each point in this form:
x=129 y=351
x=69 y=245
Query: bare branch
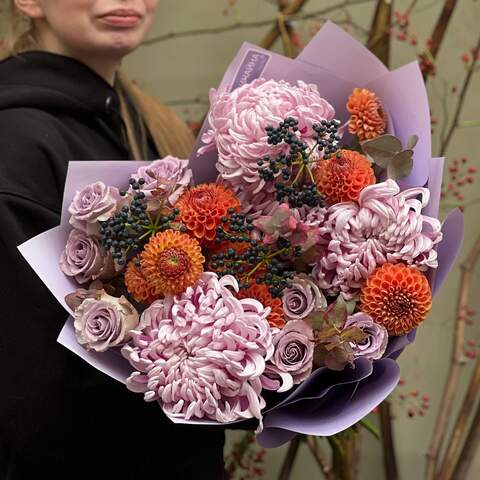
x=461 y=100
x=452 y=454
x=379 y=40
x=254 y=24
x=456 y=363
x=389 y=457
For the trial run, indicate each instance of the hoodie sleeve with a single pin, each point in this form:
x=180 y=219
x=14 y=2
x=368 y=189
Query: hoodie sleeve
x=30 y=196
x=33 y=157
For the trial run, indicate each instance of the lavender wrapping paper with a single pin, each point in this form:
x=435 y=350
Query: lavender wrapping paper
x=43 y=253
x=334 y=407
x=327 y=402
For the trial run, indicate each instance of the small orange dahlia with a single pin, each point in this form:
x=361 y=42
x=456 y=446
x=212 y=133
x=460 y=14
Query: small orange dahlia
x=368 y=118
x=396 y=296
x=260 y=292
x=171 y=262
x=137 y=285
x=342 y=177
x=203 y=206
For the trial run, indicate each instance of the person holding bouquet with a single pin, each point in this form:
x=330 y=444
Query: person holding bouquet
x=63 y=97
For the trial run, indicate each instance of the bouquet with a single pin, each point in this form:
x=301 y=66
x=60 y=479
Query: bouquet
x=279 y=272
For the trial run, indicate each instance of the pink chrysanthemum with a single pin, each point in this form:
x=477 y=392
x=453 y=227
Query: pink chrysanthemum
x=386 y=225
x=238 y=120
x=201 y=354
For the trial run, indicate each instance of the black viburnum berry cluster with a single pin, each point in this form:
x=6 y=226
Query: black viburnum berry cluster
x=292 y=172
x=235 y=227
x=249 y=259
x=326 y=136
x=128 y=230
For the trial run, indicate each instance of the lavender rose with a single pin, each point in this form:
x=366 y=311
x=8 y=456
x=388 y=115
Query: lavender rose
x=96 y=202
x=104 y=322
x=303 y=298
x=165 y=179
x=374 y=345
x=292 y=359
x=85 y=259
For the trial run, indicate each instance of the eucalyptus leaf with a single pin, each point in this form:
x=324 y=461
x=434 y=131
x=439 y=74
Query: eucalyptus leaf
x=401 y=165
x=411 y=142
x=382 y=149
x=387 y=143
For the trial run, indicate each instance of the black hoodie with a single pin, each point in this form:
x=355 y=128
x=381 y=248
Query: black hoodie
x=59 y=417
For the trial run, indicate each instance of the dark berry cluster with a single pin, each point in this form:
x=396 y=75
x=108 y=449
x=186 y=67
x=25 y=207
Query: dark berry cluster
x=299 y=195
x=326 y=136
x=129 y=228
x=270 y=168
x=279 y=273
x=236 y=227
x=248 y=259
x=239 y=263
x=292 y=172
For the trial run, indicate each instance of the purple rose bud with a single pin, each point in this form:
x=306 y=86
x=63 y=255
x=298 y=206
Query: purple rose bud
x=104 y=322
x=96 y=202
x=292 y=359
x=303 y=298
x=374 y=345
x=85 y=259
x=165 y=179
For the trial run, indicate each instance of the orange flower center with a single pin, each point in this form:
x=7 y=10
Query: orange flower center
x=398 y=303
x=203 y=199
x=172 y=263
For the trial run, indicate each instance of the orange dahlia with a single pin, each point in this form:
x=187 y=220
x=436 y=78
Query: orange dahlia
x=342 y=177
x=171 y=262
x=396 y=296
x=202 y=208
x=137 y=285
x=260 y=292
x=368 y=118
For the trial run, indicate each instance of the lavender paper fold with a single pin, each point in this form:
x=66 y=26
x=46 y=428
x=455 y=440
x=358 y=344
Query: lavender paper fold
x=403 y=94
x=335 y=50
x=434 y=185
x=338 y=410
x=448 y=248
x=269 y=65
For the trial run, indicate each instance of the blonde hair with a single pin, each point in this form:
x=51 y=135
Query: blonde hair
x=18 y=30
x=170 y=134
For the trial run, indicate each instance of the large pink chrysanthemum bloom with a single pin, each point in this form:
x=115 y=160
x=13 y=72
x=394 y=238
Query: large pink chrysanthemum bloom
x=201 y=354
x=238 y=120
x=386 y=225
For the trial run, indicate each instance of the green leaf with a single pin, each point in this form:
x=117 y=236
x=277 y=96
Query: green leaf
x=367 y=425
x=336 y=313
x=336 y=445
x=316 y=321
x=337 y=359
x=411 y=142
x=353 y=334
x=319 y=355
x=382 y=149
x=401 y=165
x=350 y=305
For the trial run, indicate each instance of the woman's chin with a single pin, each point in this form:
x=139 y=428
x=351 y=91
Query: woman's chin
x=119 y=45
